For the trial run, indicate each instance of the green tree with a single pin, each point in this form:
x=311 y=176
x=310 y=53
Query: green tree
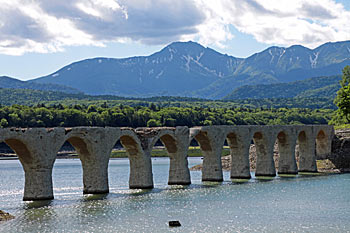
x=342 y=99
x=153 y=123
x=3 y=123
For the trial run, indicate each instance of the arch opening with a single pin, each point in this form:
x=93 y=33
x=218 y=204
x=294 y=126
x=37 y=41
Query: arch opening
x=61 y=173
x=73 y=148
x=6 y=151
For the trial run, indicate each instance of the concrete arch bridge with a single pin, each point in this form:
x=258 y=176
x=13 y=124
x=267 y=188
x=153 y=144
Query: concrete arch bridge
x=37 y=150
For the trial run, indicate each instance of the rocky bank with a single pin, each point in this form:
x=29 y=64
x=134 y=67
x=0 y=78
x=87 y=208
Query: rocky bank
x=5 y=216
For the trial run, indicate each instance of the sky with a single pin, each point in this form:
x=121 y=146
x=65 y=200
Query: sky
x=38 y=37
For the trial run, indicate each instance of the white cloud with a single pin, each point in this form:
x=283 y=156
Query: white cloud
x=50 y=25
x=284 y=22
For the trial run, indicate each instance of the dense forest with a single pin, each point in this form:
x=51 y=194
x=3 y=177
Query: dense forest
x=153 y=115
x=28 y=97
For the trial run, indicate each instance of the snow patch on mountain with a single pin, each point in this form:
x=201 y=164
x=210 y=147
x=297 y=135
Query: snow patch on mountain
x=160 y=74
x=313 y=61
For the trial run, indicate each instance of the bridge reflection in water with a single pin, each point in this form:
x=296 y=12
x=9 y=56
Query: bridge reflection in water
x=37 y=149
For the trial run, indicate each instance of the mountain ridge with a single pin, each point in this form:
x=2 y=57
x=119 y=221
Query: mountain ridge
x=309 y=88
x=192 y=70
x=9 y=82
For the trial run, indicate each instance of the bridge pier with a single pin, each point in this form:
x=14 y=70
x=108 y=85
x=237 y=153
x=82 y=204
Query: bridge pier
x=239 y=148
x=286 y=150
x=139 y=152
x=307 y=156
x=141 y=176
x=264 y=143
x=177 y=147
x=211 y=140
x=38 y=184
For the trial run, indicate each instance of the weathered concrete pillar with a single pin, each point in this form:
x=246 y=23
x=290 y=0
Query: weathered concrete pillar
x=36 y=150
x=137 y=147
x=307 y=157
x=239 y=143
x=177 y=147
x=38 y=184
x=211 y=140
x=264 y=142
x=286 y=148
x=94 y=146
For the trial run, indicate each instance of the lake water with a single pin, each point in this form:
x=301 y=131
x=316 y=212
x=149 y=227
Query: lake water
x=297 y=204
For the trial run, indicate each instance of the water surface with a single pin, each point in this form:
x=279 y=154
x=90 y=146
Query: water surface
x=290 y=204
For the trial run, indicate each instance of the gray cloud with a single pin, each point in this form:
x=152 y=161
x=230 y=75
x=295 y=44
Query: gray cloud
x=162 y=20
x=17 y=25
x=317 y=11
x=50 y=25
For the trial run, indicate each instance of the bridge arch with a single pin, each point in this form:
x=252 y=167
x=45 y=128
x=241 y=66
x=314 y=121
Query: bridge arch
x=141 y=176
x=94 y=162
x=21 y=150
x=177 y=150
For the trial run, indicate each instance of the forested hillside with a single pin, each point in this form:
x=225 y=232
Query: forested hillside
x=34 y=97
x=312 y=87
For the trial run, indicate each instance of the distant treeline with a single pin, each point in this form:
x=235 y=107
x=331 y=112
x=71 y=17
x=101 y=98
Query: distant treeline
x=9 y=97
x=154 y=115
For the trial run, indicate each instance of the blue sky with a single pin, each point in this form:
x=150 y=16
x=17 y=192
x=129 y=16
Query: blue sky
x=37 y=37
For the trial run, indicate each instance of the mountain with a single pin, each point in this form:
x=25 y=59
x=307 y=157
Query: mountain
x=189 y=69
x=177 y=69
x=308 y=88
x=8 y=82
x=276 y=65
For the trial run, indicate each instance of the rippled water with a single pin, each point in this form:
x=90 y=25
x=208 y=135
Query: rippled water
x=294 y=204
